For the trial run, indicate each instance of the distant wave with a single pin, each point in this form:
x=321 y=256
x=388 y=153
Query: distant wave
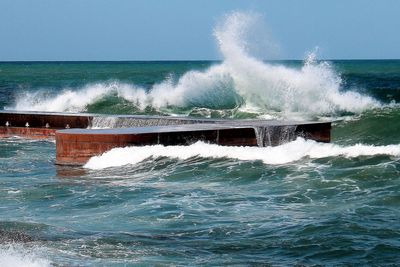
x=241 y=82
x=283 y=154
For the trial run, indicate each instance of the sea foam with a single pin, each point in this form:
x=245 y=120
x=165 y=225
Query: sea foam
x=239 y=81
x=283 y=154
x=16 y=256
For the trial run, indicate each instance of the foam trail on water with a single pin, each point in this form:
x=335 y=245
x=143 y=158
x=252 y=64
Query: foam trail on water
x=16 y=256
x=240 y=81
x=283 y=154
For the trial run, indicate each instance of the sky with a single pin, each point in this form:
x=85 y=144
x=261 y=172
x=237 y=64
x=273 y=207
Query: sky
x=51 y=30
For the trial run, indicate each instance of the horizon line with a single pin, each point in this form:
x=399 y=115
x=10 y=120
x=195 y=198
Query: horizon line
x=187 y=60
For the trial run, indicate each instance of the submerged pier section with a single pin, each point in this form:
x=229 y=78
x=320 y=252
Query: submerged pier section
x=79 y=138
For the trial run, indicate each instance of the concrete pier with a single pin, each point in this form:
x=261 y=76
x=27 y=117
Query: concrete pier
x=40 y=119
x=77 y=139
x=76 y=146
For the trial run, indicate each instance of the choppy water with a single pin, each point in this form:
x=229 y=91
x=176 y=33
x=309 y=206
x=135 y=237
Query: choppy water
x=300 y=203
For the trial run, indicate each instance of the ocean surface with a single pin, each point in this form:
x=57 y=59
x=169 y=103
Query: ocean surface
x=302 y=203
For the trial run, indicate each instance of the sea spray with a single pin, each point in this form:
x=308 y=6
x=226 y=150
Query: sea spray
x=14 y=255
x=283 y=154
x=240 y=81
x=313 y=89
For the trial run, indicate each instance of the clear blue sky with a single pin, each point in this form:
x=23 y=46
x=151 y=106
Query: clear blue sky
x=182 y=29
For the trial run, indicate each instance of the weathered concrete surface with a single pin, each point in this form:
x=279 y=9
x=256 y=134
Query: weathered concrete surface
x=27 y=132
x=76 y=146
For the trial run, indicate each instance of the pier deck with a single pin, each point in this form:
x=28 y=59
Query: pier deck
x=80 y=141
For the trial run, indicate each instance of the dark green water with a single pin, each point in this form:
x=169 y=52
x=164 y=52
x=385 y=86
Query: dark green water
x=320 y=205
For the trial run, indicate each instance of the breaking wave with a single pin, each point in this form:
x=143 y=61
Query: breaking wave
x=283 y=154
x=240 y=82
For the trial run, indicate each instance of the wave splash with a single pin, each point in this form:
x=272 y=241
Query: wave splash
x=241 y=81
x=16 y=256
x=283 y=154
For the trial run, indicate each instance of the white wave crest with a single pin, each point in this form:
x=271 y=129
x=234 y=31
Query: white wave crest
x=16 y=256
x=241 y=80
x=77 y=100
x=287 y=153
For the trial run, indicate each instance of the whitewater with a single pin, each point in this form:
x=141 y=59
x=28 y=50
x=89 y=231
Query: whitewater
x=240 y=81
x=15 y=255
x=283 y=154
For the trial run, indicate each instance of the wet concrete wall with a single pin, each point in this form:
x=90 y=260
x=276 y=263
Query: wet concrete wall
x=76 y=147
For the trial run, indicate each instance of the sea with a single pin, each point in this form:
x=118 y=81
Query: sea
x=302 y=203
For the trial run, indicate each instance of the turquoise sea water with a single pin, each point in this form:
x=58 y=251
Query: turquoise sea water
x=332 y=205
